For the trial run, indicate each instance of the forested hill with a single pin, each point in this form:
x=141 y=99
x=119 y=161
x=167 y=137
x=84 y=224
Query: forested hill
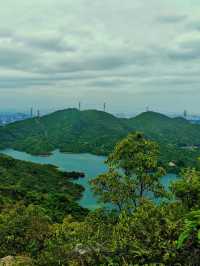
x=96 y=132
x=42 y=185
x=162 y=128
x=41 y=222
x=68 y=130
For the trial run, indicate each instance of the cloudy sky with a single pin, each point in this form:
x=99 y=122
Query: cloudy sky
x=131 y=53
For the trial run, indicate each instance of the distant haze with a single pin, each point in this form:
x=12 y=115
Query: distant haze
x=130 y=54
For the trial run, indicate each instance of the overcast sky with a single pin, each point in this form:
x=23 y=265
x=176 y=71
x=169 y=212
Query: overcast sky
x=130 y=53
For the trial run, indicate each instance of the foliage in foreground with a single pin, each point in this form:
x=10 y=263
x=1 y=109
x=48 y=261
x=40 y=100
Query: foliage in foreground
x=134 y=230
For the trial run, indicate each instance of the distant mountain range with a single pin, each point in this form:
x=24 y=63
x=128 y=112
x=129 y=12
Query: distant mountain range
x=6 y=118
x=97 y=132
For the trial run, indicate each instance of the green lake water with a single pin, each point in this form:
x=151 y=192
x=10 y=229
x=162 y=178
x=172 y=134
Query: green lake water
x=91 y=165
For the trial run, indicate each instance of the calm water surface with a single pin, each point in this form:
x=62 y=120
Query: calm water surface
x=91 y=165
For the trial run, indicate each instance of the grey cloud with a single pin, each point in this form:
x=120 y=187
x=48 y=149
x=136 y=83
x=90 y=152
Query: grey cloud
x=107 y=62
x=186 y=48
x=23 y=83
x=194 y=25
x=171 y=19
x=114 y=83
x=15 y=58
x=129 y=57
x=79 y=45
x=183 y=55
x=5 y=33
x=192 y=44
x=48 y=43
x=172 y=82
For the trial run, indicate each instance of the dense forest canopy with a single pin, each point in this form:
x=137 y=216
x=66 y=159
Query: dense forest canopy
x=97 y=132
x=44 y=185
x=41 y=223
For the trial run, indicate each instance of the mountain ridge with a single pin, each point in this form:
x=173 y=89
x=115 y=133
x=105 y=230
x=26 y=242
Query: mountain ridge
x=71 y=130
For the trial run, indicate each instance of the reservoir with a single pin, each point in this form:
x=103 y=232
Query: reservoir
x=91 y=165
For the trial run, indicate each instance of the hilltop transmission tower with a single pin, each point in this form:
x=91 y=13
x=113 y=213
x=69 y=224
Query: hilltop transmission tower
x=185 y=114
x=104 y=107
x=38 y=113
x=31 y=112
x=79 y=106
x=147 y=109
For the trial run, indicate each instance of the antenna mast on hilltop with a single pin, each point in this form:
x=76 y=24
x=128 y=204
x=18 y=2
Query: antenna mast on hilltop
x=147 y=109
x=79 y=106
x=31 y=112
x=185 y=114
x=38 y=113
x=104 y=107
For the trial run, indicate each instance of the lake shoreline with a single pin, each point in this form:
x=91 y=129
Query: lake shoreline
x=91 y=165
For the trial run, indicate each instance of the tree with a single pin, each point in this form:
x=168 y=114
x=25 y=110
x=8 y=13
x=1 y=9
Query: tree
x=75 y=243
x=147 y=235
x=189 y=240
x=187 y=188
x=133 y=174
x=23 y=230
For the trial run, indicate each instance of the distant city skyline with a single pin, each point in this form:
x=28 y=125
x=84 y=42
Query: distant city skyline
x=54 y=54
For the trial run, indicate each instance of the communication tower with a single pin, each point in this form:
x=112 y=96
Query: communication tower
x=31 y=112
x=104 y=107
x=38 y=113
x=185 y=114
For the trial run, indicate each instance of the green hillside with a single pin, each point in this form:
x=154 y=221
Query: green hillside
x=68 y=130
x=169 y=130
x=97 y=132
x=42 y=185
x=42 y=224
